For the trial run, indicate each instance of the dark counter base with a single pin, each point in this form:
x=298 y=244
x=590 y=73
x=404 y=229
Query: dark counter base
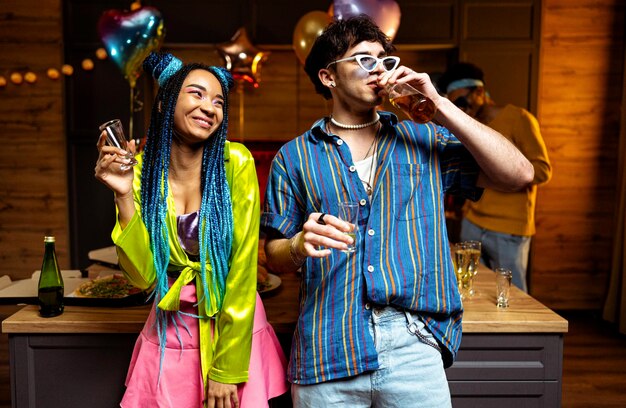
x=64 y=370
x=507 y=370
x=492 y=370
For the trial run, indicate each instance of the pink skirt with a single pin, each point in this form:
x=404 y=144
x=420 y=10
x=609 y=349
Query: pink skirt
x=181 y=385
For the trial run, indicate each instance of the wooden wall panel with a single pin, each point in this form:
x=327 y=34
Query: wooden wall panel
x=30 y=22
x=33 y=176
x=512 y=20
x=579 y=101
x=428 y=22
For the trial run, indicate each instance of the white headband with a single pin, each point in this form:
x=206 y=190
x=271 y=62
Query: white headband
x=463 y=83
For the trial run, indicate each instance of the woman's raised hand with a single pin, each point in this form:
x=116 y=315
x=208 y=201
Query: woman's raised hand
x=110 y=169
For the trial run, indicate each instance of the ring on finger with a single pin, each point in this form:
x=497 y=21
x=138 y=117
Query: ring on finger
x=320 y=220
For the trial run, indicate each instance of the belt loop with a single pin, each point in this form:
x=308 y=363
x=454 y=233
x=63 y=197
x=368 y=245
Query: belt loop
x=409 y=320
x=410 y=324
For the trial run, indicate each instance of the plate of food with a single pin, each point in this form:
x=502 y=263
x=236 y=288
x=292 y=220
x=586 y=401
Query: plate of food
x=110 y=290
x=271 y=283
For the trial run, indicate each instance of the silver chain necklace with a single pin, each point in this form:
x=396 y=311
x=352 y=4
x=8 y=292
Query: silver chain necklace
x=369 y=189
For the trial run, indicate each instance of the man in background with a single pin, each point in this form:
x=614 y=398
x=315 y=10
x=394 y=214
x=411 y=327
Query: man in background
x=503 y=221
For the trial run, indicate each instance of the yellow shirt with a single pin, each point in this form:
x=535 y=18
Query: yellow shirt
x=225 y=357
x=514 y=213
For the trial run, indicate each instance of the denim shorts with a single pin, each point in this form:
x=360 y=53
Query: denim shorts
x=410 y=372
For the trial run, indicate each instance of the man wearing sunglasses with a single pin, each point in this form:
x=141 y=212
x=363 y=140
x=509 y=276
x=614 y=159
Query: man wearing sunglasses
x=377 y=326
x=503 y=221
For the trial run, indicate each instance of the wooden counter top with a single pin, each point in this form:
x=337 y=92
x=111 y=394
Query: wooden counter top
x=524 y=315
x=78 y=319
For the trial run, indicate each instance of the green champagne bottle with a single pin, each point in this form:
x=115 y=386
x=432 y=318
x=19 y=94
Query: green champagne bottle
x=50 y=288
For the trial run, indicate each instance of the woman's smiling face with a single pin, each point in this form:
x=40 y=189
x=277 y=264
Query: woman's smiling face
x=199 y=107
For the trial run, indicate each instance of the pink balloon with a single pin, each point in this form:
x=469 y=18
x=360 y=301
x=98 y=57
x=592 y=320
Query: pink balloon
x=385 y=13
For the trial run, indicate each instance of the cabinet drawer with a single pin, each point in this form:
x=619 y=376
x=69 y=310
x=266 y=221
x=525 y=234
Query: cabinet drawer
x=509 y=394
x=508 y=357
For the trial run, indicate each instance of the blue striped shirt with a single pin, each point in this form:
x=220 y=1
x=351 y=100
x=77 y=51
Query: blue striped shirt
x=402 y=257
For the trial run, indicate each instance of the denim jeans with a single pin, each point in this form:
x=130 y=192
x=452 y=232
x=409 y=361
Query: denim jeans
x=500 y=250
x=410 y=372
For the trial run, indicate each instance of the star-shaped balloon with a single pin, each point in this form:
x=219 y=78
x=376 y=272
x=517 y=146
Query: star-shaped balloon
x=243 y=59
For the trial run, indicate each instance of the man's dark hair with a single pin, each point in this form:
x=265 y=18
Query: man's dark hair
x=460 y=70
x=336 y=39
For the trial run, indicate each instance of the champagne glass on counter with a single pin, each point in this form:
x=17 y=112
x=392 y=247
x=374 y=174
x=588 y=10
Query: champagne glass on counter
x=473 y=249
x=466 y=260
x=456 y=254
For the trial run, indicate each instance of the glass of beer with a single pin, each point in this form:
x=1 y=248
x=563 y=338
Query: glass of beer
x=412 y=102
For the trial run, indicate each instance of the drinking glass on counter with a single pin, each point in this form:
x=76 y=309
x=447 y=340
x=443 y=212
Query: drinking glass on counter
x=466 y=260
x=503 y=286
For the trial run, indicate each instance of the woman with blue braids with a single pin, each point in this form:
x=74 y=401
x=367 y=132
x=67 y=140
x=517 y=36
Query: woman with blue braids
x=187 y=227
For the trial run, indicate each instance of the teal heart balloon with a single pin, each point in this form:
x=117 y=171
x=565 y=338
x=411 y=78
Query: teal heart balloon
x=129 y=36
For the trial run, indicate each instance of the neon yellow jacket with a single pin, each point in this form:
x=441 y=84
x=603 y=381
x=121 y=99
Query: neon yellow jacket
x=227 y=357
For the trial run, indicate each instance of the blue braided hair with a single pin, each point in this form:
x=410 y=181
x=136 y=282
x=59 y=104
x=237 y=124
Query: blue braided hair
x=215 y=216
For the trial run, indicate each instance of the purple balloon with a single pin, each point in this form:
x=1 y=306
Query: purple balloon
x=385 y=13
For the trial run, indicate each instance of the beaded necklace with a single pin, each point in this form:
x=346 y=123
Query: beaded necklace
x=355 y=127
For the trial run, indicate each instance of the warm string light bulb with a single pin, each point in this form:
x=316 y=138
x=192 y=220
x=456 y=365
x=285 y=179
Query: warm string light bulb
x=87 y=64
x=53 y=73
x=67 y=69
x=30 y=77
x=101 y=53
x=17 y=78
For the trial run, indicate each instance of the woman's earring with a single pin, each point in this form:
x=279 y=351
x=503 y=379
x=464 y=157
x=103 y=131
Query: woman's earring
x=332 y=85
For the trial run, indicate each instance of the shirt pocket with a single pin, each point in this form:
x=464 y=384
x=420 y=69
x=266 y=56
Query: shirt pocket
x=411 y=196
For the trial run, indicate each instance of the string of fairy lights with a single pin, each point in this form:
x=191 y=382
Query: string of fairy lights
x=25 y=75
x=18 y=77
